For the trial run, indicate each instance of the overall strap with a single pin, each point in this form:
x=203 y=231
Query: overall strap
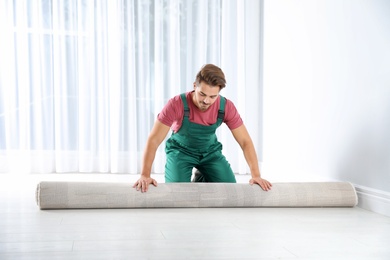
x=186 y=109
x=221 y=111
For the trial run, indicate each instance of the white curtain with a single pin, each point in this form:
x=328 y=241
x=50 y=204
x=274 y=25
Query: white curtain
x=82 y=81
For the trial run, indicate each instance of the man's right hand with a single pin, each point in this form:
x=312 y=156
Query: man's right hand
x=143 y=183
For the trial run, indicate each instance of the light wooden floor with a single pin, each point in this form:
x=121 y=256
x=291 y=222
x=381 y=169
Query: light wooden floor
x=231 y=233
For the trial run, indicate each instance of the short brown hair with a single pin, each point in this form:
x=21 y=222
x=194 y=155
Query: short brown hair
x=212 y=75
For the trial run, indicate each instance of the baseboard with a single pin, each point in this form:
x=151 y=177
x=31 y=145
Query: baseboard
x=373 y=200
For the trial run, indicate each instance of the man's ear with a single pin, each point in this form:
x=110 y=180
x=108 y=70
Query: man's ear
x=194 y=85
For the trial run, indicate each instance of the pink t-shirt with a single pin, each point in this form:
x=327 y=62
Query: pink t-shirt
x=173 y=112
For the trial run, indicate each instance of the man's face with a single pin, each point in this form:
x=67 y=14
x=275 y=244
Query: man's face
x=205 y=95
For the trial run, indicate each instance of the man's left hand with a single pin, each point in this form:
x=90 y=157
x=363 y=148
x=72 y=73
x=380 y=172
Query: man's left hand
x=263 y=183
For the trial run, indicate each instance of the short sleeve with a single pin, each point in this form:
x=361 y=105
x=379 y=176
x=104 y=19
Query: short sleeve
x=232 y=118
x=172 y=113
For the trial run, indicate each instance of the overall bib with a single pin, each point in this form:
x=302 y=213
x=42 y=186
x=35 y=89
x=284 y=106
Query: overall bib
x=196 y=145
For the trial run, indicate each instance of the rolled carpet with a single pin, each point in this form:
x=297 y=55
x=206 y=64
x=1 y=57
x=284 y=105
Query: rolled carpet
x=86 y=195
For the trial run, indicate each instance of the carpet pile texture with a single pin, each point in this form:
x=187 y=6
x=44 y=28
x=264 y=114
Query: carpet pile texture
x=105 y=195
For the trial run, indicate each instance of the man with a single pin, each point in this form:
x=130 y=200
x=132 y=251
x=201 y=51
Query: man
x=194 y=117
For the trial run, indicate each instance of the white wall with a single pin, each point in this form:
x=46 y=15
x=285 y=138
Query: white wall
x=327 y=91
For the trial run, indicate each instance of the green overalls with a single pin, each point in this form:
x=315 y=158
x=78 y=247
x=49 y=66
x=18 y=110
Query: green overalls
x=196 y=145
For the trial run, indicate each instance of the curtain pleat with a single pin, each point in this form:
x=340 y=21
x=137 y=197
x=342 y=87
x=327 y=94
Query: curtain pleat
x=83 y=81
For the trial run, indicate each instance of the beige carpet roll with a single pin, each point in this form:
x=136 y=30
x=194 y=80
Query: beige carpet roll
x=105 y=195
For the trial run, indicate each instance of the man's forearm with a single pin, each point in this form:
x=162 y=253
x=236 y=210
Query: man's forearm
x=148 y=158
x=251 y=159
